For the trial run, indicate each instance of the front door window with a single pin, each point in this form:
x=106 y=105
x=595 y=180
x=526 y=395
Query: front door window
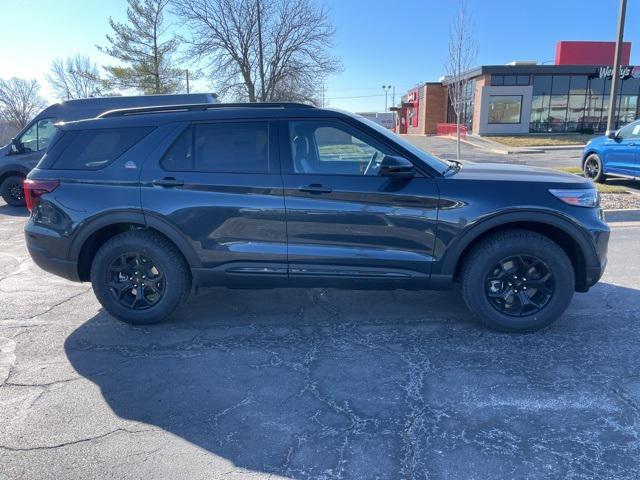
x=330 y=148
x=37 y=136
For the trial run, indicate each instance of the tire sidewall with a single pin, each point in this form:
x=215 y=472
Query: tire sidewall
x=173 y=292
x=6 y=194
x=559 y=266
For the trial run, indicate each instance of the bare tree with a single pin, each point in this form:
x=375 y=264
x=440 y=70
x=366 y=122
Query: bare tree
x=261 y=51
x=20 y=101
x=77 y=77
x=145 y=47
x=462 y=53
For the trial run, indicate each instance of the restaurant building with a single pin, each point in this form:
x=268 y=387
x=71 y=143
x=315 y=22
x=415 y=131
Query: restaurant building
x=571 y=95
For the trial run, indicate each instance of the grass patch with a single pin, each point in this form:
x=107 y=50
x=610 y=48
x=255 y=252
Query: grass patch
x=541 y=140
x=601 y=187
x=605 y=188
x=574 y=170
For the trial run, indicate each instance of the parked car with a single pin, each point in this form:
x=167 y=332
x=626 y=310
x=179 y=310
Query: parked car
x=615 y=155
x=149 y=204
x=25 y=150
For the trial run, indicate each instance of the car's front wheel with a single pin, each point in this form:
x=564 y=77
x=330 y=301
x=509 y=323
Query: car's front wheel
x=12 y=191
x=593 y=169
x=139 y=277
x=517 y=281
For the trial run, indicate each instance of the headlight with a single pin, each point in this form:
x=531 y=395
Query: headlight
x=587 y=197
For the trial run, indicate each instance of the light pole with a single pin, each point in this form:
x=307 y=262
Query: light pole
x=613 y=96
x=386 y=89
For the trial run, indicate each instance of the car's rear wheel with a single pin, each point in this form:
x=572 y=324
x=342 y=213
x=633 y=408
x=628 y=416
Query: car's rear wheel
x=139 y=277
x=12 y=191
x=593 y=170
x=517 y=281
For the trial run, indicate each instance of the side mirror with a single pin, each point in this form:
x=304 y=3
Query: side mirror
x=16 y=146
x=612 y=134
x=392 y=166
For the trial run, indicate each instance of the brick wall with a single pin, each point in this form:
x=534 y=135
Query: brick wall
x=435 y=110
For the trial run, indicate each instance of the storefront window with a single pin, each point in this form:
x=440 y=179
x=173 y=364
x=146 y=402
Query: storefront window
x=542 y=84
x=560 y=84
x=505 y=108
x=578 y=84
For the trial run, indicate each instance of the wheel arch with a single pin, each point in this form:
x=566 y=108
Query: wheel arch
x=92 y=235
x=560 y=230
x=13 y=169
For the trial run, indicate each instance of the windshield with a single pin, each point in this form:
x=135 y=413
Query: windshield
x=441 y=166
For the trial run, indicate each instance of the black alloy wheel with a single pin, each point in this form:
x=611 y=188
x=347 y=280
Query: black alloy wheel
x=135 y=281
x=520 y=285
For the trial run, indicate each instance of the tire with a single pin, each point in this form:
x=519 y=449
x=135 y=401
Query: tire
x=131 y=249
x=12 y=192
x=593 y=170
x=496 y=312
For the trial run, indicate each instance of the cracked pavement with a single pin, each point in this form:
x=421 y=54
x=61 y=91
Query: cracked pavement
x=318 y=384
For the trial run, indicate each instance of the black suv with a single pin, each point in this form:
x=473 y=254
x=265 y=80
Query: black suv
x=150 y=203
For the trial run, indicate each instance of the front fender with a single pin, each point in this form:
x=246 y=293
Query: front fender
x=449 y=261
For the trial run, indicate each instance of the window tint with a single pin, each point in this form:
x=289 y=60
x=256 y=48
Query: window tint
x=95 y=149
x=221 y=148
x=331 y=148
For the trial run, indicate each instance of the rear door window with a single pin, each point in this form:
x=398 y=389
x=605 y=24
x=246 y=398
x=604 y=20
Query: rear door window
x=224 y=147
x=97 y=148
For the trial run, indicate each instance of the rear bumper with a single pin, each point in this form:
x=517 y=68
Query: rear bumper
x=45 y=250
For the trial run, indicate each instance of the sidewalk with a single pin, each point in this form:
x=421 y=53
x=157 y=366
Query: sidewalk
x=495 y=147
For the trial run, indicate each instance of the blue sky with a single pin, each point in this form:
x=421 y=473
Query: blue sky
x=380 y=42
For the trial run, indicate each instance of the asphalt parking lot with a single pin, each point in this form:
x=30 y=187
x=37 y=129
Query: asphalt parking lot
x=314 y=383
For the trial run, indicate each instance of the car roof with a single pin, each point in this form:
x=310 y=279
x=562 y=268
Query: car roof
x=72 y=110
x=202 y=112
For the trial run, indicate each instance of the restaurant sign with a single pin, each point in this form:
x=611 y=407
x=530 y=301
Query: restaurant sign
x=625 y=72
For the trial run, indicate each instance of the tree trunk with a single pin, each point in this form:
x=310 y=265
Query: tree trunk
x=458 y=136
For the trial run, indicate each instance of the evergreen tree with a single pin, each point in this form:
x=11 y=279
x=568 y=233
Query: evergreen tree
x=144 y=48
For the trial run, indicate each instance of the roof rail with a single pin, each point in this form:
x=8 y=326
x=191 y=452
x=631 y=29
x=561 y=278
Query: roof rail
x=121 y=112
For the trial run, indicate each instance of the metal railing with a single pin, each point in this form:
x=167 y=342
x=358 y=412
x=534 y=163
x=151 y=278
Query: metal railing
x=449 y=130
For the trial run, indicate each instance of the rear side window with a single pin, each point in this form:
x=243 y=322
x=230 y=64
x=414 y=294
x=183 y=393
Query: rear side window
x=238 y=147
x=95 y=149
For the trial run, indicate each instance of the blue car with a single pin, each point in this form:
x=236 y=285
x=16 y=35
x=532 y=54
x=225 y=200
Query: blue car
x=615 y=155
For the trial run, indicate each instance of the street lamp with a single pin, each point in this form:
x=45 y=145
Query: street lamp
x=387 y=89
x=611 y=121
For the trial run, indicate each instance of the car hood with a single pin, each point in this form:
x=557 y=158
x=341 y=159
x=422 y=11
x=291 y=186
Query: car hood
x=518 y=173
x=5 y=150
x=597 y=141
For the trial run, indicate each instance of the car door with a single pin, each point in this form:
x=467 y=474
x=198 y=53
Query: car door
x=346 y=224
x=219 y=186
x=33 y=142
x=623 y=153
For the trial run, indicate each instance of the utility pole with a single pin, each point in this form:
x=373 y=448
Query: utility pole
x=613 y=97
x=260 y=53
x=324 y=90
x=187 y=74
x=386 y=89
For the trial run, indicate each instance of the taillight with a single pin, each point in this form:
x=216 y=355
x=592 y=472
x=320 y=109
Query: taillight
x=34 y=189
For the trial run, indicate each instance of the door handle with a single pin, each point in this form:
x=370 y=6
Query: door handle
x=167 y=182
x=315 y=188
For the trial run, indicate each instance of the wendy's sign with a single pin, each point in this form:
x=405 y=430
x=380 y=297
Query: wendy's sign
x=624 y=72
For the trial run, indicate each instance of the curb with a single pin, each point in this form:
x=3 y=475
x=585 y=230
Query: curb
x=622 y=215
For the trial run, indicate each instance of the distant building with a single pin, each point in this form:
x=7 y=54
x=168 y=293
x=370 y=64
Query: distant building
x=386 y=119
x=526 y=97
